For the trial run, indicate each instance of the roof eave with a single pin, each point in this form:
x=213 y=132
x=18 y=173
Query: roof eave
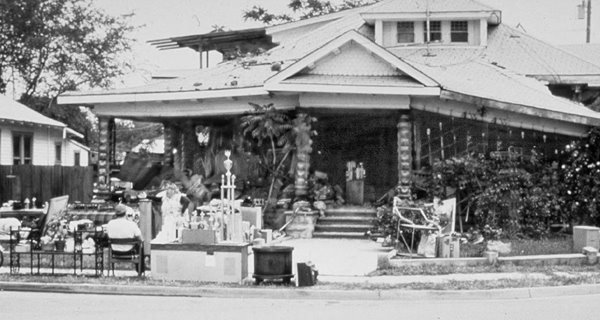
x=91 y=99
x=519 y=108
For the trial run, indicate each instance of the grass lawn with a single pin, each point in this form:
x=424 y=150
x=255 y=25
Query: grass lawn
x=555 y=244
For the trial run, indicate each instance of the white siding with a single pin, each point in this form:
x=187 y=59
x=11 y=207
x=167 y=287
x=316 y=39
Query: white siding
x=69 y=154
x=44 y=142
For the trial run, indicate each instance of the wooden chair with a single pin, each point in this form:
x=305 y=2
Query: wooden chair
x=135 y=256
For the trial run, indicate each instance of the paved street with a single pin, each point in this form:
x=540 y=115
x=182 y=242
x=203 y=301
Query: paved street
x=50 y=306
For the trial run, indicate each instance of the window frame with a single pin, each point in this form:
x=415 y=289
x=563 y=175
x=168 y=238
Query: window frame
x=459 y=33
x=21 y=158
x=432 y=31
x=77 y=158
x=409 y=32
x=58 y=153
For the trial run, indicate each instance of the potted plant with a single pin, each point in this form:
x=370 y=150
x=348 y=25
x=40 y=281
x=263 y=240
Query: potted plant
x=56 y=234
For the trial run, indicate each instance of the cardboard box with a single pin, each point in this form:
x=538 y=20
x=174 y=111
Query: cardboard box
x=448 y=247
x=199 y=236
x=585 y=236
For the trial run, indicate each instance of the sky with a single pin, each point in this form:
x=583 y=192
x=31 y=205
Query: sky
x=553 y=21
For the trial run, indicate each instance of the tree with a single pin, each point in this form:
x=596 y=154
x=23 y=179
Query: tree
x=50 y=46
x=302 y=9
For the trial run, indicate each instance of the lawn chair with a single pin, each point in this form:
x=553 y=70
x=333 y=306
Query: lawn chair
x=413 y=219
x=134 y=256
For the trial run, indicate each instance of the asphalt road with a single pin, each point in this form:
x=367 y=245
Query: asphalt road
x=50 y=306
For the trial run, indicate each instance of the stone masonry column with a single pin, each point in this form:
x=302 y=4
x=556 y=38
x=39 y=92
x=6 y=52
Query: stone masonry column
x=104 y=147
x=302 y=128
x=404 y=157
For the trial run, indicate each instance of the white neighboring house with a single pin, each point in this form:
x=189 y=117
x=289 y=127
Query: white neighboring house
x=28 y=137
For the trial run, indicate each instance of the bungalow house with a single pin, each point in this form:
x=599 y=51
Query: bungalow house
x=28 y=137
x=394 y=85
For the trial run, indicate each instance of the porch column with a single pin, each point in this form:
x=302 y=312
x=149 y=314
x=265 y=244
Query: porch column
x=303 y=150
x=404 y=157
x=104 y=147
x=189 y=145
x=169 y=134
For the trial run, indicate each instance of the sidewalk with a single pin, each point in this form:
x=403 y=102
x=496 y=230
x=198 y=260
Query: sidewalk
x=339 y=261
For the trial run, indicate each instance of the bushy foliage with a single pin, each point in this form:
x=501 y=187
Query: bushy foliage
x=520 y=196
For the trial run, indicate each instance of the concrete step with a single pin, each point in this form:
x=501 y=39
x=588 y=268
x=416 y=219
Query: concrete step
x=339 y=235
x=345 y=220
x=343 y=228
x=351 y=212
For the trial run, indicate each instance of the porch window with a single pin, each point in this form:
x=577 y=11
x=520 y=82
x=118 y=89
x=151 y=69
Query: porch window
x=22 y=148
x=435 y=31
x=459 y=31
x=57 y=153
x=406 y=32
x=77 y=159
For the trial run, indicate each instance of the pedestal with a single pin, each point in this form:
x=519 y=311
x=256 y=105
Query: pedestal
x=222 y=262
x=355 y=192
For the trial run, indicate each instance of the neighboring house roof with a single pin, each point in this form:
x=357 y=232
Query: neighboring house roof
x=78 y=144
x=14 y=112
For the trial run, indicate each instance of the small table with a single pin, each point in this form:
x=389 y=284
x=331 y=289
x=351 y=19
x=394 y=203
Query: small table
x=19 y=214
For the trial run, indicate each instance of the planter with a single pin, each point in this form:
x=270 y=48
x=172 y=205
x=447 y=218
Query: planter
x=302 y=225
x=60 y=245
x=273 y=263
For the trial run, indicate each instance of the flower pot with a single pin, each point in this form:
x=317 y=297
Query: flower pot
x=59 y=245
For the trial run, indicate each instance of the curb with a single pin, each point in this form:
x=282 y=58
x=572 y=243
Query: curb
x=301 y=293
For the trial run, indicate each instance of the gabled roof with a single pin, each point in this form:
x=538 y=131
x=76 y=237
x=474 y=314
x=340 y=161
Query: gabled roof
x=397 y=67
x=13 y=112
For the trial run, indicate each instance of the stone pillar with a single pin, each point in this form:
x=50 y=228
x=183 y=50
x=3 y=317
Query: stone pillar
x=103 y=156
x=177 y=144
x=169 y=134
x=302 y=129
x=404 y=157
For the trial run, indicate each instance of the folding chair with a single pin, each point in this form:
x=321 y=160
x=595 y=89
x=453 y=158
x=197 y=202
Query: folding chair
x=407 y=217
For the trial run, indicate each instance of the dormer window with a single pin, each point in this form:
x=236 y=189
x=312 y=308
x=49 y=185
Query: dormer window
x=459 y=31
x=435 y=31
x=406 y=32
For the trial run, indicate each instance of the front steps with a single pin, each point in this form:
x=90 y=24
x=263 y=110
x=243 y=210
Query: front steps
x=345 y=222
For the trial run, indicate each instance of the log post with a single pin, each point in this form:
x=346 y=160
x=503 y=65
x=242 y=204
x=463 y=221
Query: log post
x=302 y=128
x=189 y=145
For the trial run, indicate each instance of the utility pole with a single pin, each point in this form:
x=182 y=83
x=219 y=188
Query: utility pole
x=585 y=11
x=589 y=21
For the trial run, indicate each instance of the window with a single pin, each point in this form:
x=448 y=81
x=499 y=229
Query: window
x=22 y=148
x=57 y=153
x=77 y=159
x=406 y=32
x=459 y=31
x=435 y=31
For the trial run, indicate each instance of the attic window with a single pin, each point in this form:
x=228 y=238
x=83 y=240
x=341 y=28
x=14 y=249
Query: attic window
x=406 y=32
x=459 y=31
x=435 y=31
